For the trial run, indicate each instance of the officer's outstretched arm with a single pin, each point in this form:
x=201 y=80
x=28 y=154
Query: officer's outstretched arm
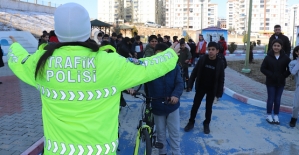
x=146 y=69
x=22 y=63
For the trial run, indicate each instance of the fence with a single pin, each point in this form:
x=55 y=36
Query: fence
x=40 y=2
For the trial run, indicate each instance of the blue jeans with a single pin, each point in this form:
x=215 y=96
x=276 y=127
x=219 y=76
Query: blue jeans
x=274 y=96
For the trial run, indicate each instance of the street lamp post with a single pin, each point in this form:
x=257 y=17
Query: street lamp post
x=246 y=67
x=188 y=15
x=201 y=23
x=293 y=42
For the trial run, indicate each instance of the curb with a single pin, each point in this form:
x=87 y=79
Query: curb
x=254 y=102
x=36 y=148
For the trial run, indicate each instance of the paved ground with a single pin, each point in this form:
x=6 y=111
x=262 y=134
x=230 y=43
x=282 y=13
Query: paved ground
x=250 y=88
x=236 y=128
x=21 y=123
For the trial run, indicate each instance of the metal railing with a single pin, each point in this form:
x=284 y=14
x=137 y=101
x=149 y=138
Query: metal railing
x=41 y=2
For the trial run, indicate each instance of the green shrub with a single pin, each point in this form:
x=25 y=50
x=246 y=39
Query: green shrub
x=232 y=47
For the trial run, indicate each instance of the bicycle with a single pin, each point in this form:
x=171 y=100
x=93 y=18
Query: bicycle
x=146 y=127
x=182 y=74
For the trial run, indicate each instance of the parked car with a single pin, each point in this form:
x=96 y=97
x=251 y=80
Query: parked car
x=152 y=24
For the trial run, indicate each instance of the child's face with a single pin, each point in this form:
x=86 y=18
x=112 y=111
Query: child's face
x=46 y=38
x=212 y=52
x=183 y=46
x=276 y=47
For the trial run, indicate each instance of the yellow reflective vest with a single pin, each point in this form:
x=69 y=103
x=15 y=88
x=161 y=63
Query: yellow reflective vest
x=80 y=93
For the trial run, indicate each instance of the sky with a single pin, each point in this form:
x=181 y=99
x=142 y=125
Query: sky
x=91 y=5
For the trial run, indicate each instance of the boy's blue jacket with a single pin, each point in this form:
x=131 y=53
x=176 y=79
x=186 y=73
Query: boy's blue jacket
x=171 y=84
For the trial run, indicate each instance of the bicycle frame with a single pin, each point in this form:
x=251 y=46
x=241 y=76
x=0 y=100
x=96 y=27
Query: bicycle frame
x=146 y=123
x=137 y=142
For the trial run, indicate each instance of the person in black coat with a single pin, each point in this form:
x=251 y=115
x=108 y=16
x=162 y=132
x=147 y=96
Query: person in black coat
x=275 y=68
x=113 y=39
x=1 y=60
x=166 y=41
x=209 y=76
x=192 y=46
x=286 y=46
x=124 y=48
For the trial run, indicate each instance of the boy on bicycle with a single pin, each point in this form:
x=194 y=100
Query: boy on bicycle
x=166 y=110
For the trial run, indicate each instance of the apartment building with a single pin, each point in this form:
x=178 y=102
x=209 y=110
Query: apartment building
x=221 y=23
x=265 y=14
x=145 y=10
x=128 y=10
x=190 y=14
x=111 y=10
x=135 y=11
x=212 y=15
x=293 y=20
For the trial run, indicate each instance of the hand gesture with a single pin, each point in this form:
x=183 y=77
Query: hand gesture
x=12 y=39
x=131 y=91
x=174 y=100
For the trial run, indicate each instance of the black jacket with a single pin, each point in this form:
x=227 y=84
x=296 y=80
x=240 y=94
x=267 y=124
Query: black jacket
x=222 y=57
x=124 y=49
x=113 y=43
x=1 y=55
x=193 y=48
x=286 y=43
x=197 y=73
x=168 y=43
x=276 y=71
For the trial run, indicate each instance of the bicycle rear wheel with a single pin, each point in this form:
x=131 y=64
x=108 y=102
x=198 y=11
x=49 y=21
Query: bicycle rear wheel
x=148 y=143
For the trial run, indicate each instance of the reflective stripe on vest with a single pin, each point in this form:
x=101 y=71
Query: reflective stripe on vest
x=76 y=95
x=55 y=147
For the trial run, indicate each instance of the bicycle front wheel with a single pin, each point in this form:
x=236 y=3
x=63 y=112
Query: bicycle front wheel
x=148 y=143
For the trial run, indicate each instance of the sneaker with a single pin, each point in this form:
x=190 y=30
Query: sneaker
x=189 y=126
x=270 y=119
x=206 y=128
x=276 y=119
x=215 y=100
x=293 y=122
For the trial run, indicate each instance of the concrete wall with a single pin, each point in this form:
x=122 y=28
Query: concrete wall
x=147 y=31
x=24 y=6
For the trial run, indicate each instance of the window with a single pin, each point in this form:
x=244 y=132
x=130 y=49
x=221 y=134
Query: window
x=267 y=10
x=267 y=19
x=262 y=6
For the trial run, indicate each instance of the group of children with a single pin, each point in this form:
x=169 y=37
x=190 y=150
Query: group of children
x=208 y=75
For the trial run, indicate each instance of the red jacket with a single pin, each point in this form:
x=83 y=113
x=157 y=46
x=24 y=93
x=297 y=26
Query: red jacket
x=53 y=39
x=203 y=49
x=224 y=45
